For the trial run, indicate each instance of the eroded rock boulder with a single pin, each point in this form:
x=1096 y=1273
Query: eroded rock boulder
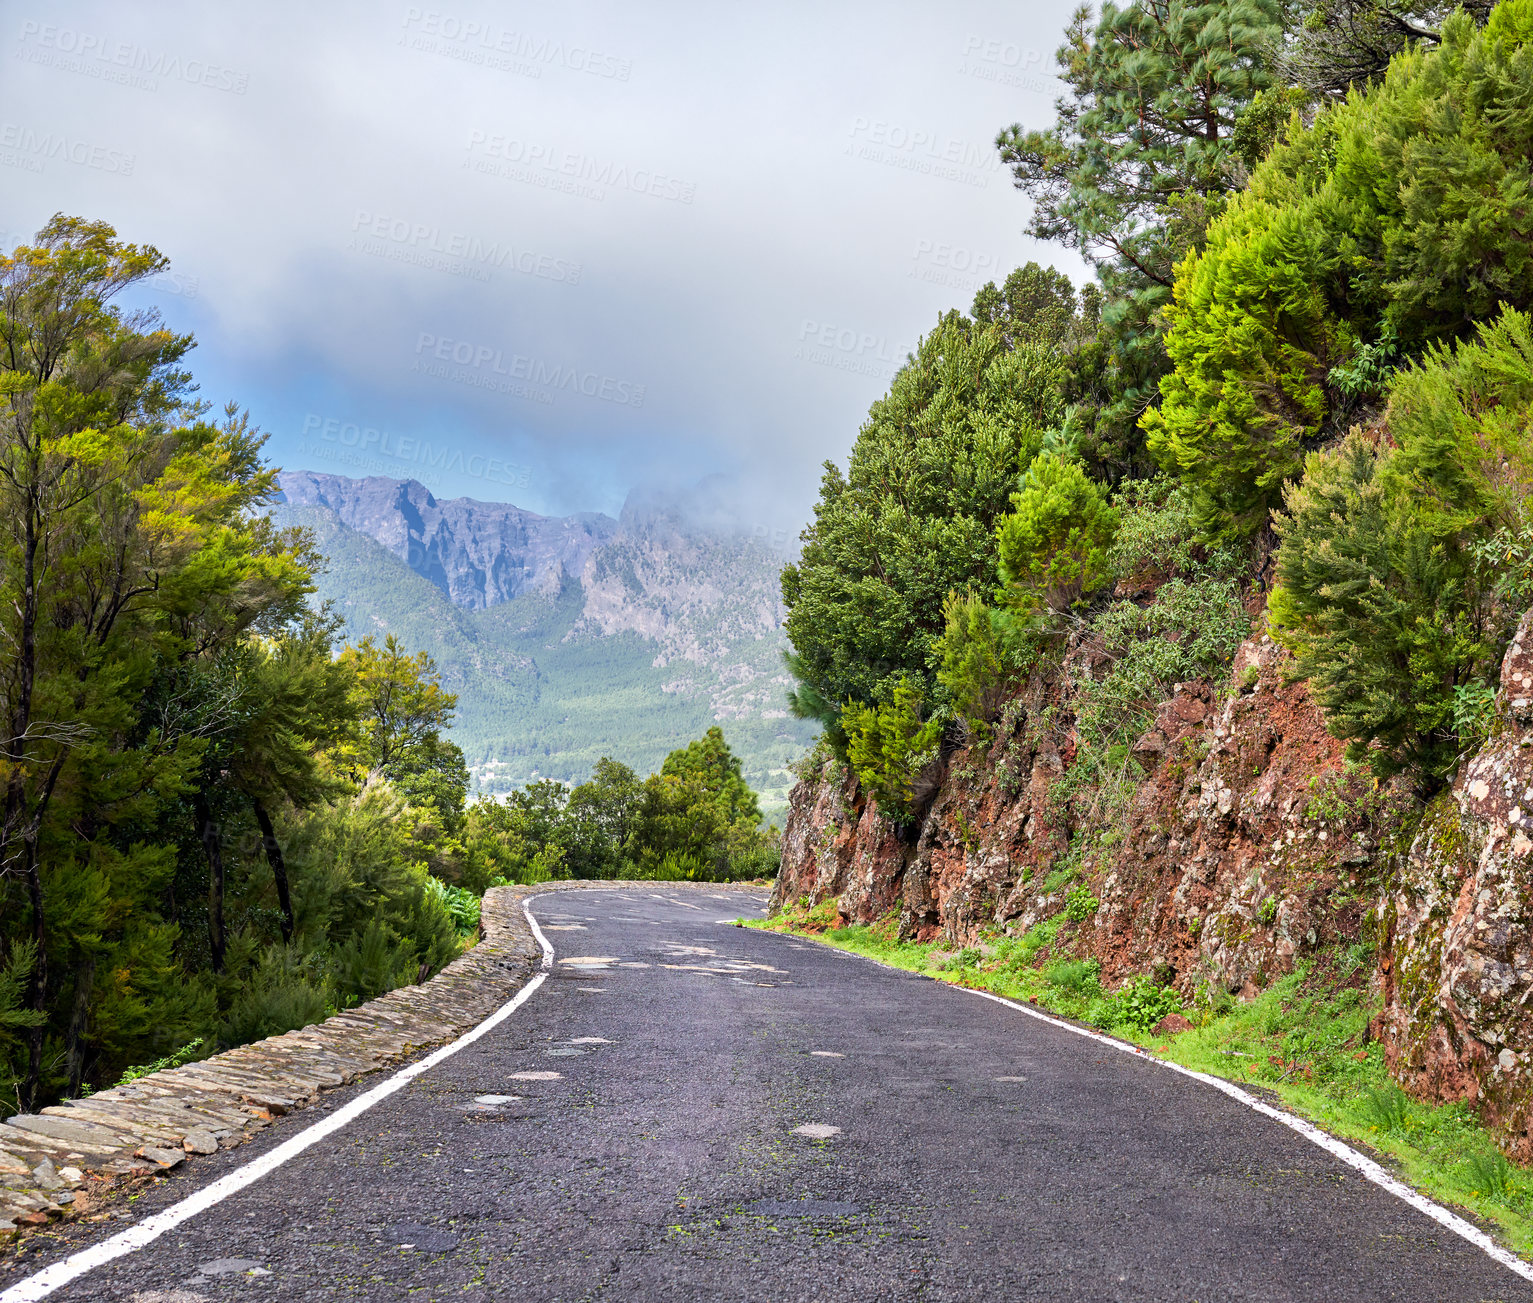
x=1457 y=958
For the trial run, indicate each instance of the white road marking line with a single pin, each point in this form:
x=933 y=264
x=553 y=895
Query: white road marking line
x=825 y=1054
x=1365 y=1166
x=816 y=1131
x=669 y=901
x=150 y=1229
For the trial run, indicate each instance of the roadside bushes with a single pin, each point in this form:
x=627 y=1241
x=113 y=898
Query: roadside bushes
x=1387 y=593
x=368 y=918
x=1136 y=1006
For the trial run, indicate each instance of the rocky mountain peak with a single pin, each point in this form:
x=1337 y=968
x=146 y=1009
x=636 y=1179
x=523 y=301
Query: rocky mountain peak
x=478 y=553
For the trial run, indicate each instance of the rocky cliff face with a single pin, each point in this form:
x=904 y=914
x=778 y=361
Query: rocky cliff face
x=1246 y=844
x=690 y=583
x=1246 y=841
x=1457 y=959
x=478 y=553
x=693 y=588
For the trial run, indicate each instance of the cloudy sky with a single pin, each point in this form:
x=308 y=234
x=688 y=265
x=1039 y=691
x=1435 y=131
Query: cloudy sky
x=541 y=252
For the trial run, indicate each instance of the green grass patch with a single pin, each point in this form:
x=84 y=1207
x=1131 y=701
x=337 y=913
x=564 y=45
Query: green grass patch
x=1060 y=878
x=1302 y=1042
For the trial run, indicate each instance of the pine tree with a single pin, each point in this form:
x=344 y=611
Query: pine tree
x=1155 y=89
x=1252 y=339
x=1139 y=160
x=697 y=817
x=1038 y=305
x=974 y=661
x=1342 y=44
x=717 y=771
x=1056 y=545
x=404 y=713
x=602 y=812
x=887 y=744
x=1388 y=605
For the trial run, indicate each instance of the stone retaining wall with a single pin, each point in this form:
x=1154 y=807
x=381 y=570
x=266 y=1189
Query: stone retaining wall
x=52 y=1162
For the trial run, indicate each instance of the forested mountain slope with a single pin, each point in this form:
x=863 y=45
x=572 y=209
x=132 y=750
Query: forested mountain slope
x=565 y=638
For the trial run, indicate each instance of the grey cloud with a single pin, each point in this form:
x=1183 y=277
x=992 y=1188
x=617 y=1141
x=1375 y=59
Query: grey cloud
x=671 y=240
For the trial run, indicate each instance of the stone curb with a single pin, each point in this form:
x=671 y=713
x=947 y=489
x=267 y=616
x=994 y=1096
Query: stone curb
x=163 y=1119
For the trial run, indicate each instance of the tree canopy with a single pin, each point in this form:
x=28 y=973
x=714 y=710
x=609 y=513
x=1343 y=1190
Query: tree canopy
x=914 y=515
x=1310 y=231
x=1398 y=219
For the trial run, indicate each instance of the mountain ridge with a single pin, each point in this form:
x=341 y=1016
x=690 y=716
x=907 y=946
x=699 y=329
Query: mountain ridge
x=565 y=638
x=459 y=544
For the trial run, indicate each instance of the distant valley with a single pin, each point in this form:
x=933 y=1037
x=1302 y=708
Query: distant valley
x=566 y=638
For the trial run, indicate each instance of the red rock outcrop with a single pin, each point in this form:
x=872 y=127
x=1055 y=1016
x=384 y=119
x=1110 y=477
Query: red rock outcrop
x=1457 y=958
x=1245 y=842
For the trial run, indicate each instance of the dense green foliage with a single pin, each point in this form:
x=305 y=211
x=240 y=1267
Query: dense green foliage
x=1296 y=212
x=1189 y=630
x=1251 y=342
x=1401 y=217
x=181 y=854
x=695 y=819
x=1186 y=627
x=913 y=518
x=1388 y=604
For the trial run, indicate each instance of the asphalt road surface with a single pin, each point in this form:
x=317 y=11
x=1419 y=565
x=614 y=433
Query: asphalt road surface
x=632 y=1132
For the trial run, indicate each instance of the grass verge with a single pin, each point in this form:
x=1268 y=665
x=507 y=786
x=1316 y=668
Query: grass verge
x=1302 y=1042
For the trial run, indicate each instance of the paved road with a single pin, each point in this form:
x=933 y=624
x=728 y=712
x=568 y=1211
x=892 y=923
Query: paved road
x=980 y=1155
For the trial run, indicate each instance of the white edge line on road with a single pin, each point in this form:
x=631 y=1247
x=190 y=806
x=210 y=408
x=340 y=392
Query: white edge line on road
x=1364 y=1165
x=60 y=1273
